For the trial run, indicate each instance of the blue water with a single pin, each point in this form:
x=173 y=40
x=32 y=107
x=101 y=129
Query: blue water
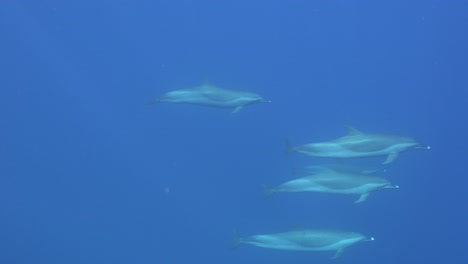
x=89 y=173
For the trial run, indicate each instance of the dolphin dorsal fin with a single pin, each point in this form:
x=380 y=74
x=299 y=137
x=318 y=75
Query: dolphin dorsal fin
x=298 y=227
x=352 y=131
x=206 y=81
x=206 y=86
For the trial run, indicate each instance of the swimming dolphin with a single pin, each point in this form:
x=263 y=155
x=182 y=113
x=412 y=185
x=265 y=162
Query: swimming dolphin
x=305 y=240
x=210 y=95
x=330 y=181
x=314 y=169
x=357 y=144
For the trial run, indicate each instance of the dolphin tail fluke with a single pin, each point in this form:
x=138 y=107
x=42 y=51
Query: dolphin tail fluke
x=154 y=101
x=289 y=146
x=295 y=171
x=236 y=240
x=267 y=191
x=308 y=170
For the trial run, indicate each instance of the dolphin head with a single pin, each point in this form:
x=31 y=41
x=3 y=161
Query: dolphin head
x=407 y=143
x=391 y=186
x=362 y=238
x=252 y=98
x=353 y=238
x=421 y=146
x=386 y=184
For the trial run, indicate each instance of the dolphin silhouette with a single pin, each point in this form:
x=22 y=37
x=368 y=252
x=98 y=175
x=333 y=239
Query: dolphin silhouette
x=213 y=96
x=357 y=144
x=305 y=240
x=331 y=181
x=314 y=169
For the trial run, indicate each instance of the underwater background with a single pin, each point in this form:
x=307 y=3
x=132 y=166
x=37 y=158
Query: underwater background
x=90 y=173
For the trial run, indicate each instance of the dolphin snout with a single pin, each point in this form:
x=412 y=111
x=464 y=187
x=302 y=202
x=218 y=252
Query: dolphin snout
x=421 y=146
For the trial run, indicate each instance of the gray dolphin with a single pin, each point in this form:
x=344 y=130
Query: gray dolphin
x=306 y=240
x=314 y=169
x=357 y=144
x=330 y=181
x=210 y=95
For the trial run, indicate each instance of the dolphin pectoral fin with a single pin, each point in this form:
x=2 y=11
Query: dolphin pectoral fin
x=338 y=253
x=391 y=157
x=362 y=198
x=237 y=109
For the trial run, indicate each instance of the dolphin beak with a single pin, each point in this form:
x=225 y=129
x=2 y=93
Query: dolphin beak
x=423 y=147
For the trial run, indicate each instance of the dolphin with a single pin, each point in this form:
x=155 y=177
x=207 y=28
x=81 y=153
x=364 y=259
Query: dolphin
x=305 y=240
x=314 y=169
x=358 y=144
x=210 y=95
x=331 y=181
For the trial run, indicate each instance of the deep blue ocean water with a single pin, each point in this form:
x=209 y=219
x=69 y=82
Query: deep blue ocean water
x=90 y=173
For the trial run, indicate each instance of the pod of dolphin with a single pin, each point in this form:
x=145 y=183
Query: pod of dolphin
x=331 y=178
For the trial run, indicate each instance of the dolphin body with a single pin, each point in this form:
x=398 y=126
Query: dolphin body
x=314 y=169
x=210 y=95
x=330 y=181
x=306 y=240
x=357 y=144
